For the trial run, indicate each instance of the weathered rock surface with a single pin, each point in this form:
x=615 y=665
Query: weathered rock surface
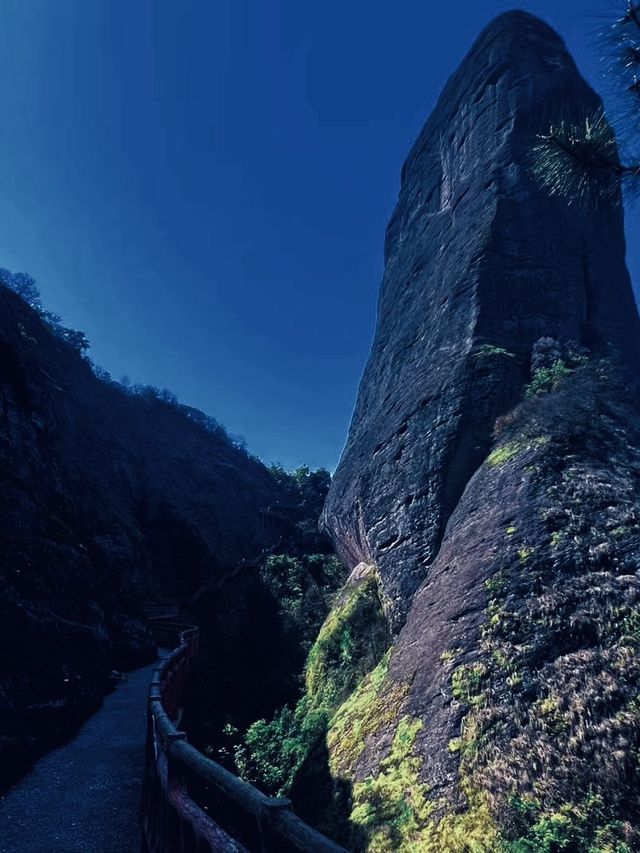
x=504 y=525
x=508 y=712
x=480 y=264
x=106 y=499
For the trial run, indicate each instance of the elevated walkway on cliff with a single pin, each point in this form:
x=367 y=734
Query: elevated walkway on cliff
x=85 y=796
x=129 y=761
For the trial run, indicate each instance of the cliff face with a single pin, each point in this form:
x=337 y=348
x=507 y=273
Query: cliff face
x=506 y=716
x=480 y=264
x=106 y=499
x=491 y=482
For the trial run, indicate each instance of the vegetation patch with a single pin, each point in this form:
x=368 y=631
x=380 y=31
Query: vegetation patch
x=450 y=655
x=398 y=811
x=351 y=642
x=585 y=827
x=491 y=351
x=303 y=585
x=375 y=704
x=546 y=379
x=467 y=682
x=525 y=553
x=394 y=806
x=511 y=450
x=272 y=752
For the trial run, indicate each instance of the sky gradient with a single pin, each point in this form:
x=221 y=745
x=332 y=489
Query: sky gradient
x=203 y=187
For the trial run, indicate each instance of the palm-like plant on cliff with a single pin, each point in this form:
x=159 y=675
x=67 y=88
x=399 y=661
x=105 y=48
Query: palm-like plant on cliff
x=581 y=161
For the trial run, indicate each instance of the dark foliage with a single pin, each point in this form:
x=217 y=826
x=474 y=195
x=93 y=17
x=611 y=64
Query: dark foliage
x=579 y=159
x=26 y=288
x=258 y=627
x=109 y=497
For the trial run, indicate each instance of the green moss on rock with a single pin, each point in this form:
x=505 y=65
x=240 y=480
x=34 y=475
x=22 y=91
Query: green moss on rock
x=351 y=642
x=394 y=805
x=399 y=812
x=511 y=450
x=375 y=704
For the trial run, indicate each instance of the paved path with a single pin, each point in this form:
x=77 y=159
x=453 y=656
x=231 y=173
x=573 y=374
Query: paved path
x=85 y=796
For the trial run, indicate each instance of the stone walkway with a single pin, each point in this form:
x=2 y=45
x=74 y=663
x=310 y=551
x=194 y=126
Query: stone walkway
x=85 y=796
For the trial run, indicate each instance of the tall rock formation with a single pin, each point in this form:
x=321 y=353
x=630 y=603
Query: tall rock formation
x=497 y=506
x=480 y=264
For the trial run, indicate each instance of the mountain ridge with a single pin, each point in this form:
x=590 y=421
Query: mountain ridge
x=109 y=499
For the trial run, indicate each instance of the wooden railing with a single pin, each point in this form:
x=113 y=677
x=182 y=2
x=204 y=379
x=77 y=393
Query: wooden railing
x=191 y=804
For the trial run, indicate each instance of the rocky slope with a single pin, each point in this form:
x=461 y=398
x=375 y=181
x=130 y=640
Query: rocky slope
x=107 y=499
x=490 y=486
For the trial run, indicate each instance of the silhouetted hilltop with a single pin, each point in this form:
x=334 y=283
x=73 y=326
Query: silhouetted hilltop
x=108 y=498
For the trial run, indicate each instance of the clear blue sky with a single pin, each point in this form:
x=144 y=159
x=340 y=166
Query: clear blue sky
x=203 y=186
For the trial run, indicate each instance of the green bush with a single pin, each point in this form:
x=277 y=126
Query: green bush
x=272 y=752
x=571 y=828
x=546 y=379
x=304 y=587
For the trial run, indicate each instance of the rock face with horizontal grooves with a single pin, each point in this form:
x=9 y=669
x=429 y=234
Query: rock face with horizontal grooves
x=480 y=263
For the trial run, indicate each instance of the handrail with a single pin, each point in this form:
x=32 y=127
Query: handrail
x=191 y=804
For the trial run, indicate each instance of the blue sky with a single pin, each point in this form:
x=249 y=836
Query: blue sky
x=202 y=187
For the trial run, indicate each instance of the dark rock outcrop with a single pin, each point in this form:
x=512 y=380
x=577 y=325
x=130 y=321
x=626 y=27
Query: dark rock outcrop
x=107 y=499
x=480 y=263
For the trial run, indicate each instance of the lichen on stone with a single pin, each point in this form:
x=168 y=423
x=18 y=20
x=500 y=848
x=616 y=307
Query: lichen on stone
x=394 y=805
x=511 y=450
x=399 y=811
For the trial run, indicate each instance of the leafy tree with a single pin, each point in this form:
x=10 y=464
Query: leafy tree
x=305 y=487
x=24 y=286
x=76 y=339
x=580 y=159
x=273 y=751
x=303 y=587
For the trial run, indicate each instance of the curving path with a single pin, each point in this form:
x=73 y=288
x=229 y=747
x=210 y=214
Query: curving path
x=85 y=796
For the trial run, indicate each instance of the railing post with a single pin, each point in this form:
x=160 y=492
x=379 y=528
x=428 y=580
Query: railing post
x=272 y=805
x=175 y=785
